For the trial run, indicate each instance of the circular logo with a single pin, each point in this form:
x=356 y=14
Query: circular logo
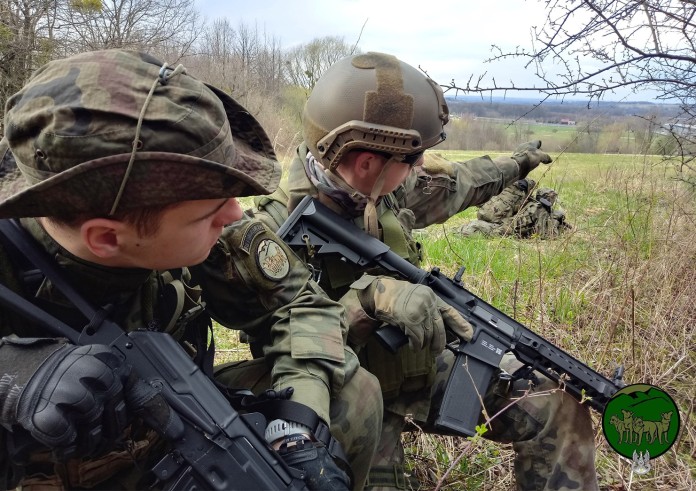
x=272 y=260
x=641 y=422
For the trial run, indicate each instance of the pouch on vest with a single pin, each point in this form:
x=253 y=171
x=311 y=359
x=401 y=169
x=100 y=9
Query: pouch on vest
x=404 y=371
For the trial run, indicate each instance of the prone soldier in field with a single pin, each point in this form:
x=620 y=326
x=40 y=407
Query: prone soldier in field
x=366 y=124
x=132 y=169
x=494 y=217
x=519 y=212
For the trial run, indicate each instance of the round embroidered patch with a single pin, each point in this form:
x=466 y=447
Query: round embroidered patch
x=272 y=260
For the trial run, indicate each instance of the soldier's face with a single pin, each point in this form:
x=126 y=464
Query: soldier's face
x=185 y=236
x=395 y=174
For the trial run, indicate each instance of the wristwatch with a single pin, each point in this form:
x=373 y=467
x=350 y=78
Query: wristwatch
x=279 y=428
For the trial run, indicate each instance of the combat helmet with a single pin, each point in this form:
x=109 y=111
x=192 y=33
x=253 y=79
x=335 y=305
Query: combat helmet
x=376 y=102
x=116 y=130
x=546 y=196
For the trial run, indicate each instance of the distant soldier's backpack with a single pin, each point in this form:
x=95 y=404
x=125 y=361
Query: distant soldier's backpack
x=507 y=203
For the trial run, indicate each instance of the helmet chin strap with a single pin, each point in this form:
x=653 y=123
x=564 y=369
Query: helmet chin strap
x=370 y=213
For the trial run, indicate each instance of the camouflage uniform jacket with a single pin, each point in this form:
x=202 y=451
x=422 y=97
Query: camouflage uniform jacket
x=250 y=281
x=430 y=194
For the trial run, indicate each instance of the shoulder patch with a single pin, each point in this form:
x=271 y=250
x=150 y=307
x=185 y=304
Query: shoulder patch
x=272 y=260
x=250 y=234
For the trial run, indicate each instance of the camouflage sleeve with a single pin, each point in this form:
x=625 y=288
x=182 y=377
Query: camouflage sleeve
x=440 y=188
x=253 y=282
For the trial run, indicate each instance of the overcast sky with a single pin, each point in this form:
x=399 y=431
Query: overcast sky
x=449 y=39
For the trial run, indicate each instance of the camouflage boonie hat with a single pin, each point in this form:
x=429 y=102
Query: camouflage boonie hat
x=73 y=131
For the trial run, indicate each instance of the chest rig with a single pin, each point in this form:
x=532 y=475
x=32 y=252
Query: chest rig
x=335 y=276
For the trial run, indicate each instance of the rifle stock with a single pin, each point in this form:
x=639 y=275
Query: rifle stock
x=495 y=333
x=216 y=447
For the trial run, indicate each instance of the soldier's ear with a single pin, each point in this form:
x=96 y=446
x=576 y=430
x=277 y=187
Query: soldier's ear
x=101 y=236
x=366 y=163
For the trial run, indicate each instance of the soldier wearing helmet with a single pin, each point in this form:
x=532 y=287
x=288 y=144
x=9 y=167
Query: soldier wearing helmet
x=132 y=171
x=367 y=124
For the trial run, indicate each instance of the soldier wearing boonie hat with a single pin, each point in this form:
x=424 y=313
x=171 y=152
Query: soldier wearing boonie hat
x=130 y=169
x=369 y=127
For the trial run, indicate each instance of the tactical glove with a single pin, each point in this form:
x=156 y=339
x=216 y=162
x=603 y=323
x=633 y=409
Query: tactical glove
x=70 y=398
x=420 y=314
x=300 y=450
x=528 y=156
x=319 y=470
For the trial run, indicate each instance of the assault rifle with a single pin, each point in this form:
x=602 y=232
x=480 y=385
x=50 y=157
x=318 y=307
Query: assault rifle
x=216 y=447
x=314 y=226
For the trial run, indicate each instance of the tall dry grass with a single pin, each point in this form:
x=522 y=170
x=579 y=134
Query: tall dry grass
x=618 y=289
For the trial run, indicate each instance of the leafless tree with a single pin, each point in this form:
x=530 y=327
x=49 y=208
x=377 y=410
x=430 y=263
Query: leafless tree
x=304 y=64
x=247 y=63
x=25 y=41
x=159 y=26
x=32 y=32
x=596 y=47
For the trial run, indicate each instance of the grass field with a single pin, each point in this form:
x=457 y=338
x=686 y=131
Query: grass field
x=619 y=288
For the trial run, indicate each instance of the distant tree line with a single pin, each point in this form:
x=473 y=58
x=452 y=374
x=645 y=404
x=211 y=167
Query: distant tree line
x=606 y=127
x=592 y=48
x=272 y=82
x=242 y=59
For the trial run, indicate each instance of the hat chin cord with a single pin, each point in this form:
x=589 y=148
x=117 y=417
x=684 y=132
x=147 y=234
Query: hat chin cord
x=165 y=74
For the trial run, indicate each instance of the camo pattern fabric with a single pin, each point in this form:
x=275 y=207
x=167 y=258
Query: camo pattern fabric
x=488 y=229
x=298 y=336
x=514 y=213
x=506 y=204
x=204 y=142
x=550 y=432
x=355 y=413
x=434 y=192
x=538 y=220
x=255 y=283
x=271 y=298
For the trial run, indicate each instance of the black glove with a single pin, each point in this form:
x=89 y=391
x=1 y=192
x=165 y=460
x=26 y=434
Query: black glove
x=319 y=470
x=303 y=452
x=70 y=398
x=528 y=156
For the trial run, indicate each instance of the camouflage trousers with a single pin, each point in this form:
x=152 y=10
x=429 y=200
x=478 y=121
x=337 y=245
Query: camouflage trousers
x=550 y=432
x=356 y=412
